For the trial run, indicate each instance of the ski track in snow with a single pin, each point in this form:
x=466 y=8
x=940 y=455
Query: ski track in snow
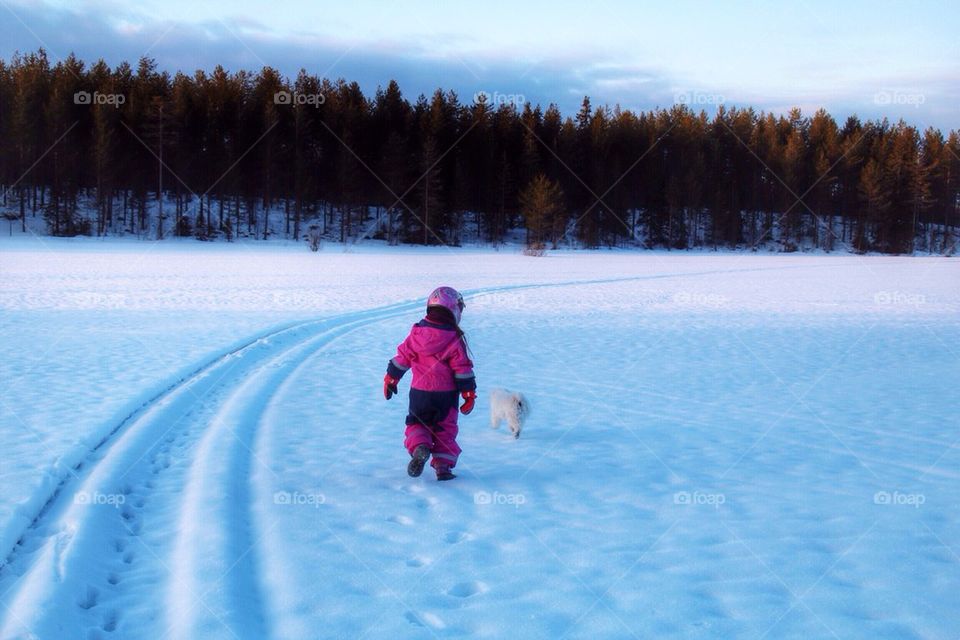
x=197 y=438
x=191 y=454
x=212 y=412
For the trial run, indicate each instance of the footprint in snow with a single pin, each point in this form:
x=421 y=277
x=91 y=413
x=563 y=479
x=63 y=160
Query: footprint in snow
x=413 y=619
x=418 y=561
x=133 y=525
x=456 y=537
x=404 y=520
x=109 y=621
x=88 y=599
x=426 y=503
x=467 y=589
x=410 y=488
x=424 y=619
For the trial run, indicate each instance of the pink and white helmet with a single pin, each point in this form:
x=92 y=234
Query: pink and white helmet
x=448 y=298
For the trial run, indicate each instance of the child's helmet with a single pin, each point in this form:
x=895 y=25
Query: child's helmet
x=448 y=298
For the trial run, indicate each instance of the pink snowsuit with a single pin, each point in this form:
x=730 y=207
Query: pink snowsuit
x=441 y=370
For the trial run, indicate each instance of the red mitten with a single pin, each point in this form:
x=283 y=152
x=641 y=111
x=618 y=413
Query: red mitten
x=389 y=386
x=469 y=397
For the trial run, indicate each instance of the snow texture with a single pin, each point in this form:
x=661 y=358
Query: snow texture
x=724 y=445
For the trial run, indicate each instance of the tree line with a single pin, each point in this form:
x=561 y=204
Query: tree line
x=103 y=151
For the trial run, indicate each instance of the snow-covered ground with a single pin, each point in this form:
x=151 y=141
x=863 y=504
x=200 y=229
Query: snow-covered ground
x=721 y=445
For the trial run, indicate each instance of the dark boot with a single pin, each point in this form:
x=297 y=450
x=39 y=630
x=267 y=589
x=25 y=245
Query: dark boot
x=417 y=459
x=443 y=473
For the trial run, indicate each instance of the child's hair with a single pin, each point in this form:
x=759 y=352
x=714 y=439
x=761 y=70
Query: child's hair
x=442 y=315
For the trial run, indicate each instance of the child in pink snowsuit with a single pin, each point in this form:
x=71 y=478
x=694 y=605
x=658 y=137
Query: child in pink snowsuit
x=436 y=350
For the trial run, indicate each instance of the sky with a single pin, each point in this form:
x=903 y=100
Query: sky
x=873 y=59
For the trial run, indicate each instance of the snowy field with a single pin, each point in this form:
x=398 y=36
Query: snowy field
x=195 y=445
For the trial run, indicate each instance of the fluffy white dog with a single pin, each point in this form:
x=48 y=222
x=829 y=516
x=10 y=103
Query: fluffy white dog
x=509 y=406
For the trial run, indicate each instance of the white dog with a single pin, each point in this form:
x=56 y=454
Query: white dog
x=509 y=406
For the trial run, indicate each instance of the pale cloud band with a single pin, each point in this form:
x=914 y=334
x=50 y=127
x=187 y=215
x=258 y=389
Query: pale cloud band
x=422 y=65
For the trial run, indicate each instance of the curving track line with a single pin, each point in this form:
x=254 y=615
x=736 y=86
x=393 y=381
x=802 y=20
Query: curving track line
x=77 y=549
x=84 y=542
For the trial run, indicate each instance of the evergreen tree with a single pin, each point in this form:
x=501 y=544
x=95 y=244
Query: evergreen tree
x=232 y=159
x=542 y=204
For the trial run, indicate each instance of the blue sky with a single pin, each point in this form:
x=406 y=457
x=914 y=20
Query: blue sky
x=876 y=59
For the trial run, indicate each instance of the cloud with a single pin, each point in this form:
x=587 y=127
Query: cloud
x=119 y=33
